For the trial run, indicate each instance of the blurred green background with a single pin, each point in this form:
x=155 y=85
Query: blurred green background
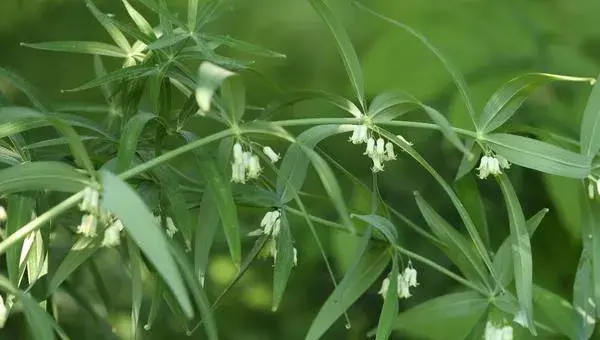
x=489 y=41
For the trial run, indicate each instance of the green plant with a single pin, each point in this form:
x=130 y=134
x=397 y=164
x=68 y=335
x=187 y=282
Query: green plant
x=132 y=172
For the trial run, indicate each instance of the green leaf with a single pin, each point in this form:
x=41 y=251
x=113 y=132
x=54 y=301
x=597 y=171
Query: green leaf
x=132 y=72
x=34 y=96
x=176 y=202
x=454 y=245
x=166 y=41
x=284 y=261
x=389 y=105
x=233 y=95
x=109 y=26
x=129 y=138
x=468 y=192
x=457 y=77
x=304 y=95
x=19 y=212
x=503 y=260
x=450 y=316
x=85 y=47
x=120 y=199
x=345 y=48
x=163 y=11
x=293 y=168
x=537 y=155
x=138 y=19
x=590 y=234
x=387 y=228
x=82 y=158
x=220 y=188
x=81 y=251
x=243 y=46
x=55 y=142
x=210 y=77
x=583 y=293
x=389 y=311
x=446 y=128
x=521 y=250
x=506 y=101
x=590 y=124
x=137 y=289
x=557 y=310
x=207 y=225
x=478 y=330
x=31 y=176
x=364 y=271
x=468 y=163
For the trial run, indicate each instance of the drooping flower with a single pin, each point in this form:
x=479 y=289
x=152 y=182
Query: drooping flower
x=403 y=288
x=592 y=190
x=90 y=201
x=360 y=134
x=410 y=275
x=112 y=234
x=406 y=280
x=171 y=228
x=389 y=152
x=3 y=214
x=254 y=167
x=273 y=156
x=493 y=332
x=295 y=258
x=385 y=286
x=492 y=165
x=238 y=173
x=88 y=225
x=238 y=153
x=245 y=165
x=3 y=312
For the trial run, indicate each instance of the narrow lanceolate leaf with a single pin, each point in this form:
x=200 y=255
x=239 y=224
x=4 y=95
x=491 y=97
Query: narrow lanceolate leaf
x=521 y=249
x=80 y=252
x=20 y=210
x=457 y=77
x=294 y=165
x=85 y=47
x=162 y=11
x=109 y=26
x=506 y=101
x=129 y=139
x=141 y=22
x=364 y=271
x=446 y=128
x=455 y=245
x=345 y=48
x=590 y=233
x=284 y=262
x=242 y=46
x=469 y=160
x=120 y=199
x=468 y=192
x=82 y=158
x=383 y=225
x=137 y=293
x=541 y=156
x=210 y=77
x=389 y=105
x=503 y=260
x=207 y=225
x=220 y=188
x=583 y=297
x=233 y=95
x=558 y=311
x=390 y=305
x=176 y=202
x=167 y=40
x=119 y=74
x=446 y=317
x=590 y=124
x=34 y=96
x=304 y=95
x=55 y=176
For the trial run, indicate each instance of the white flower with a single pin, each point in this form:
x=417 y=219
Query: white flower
x=592 y=190
x=389 y=152
x=237 y=153
x=273 y=156
x=276 y=227
x=360 y=134
x=490 y=165
x=254 y=167
x=370 y=151
x=507 y=333
x=171 y=228
x=403 y=288
x=295 y=254
x=385 y=285
x=271 y=223
x=238 y=173
x=410 y=276
x=380 y=149
x=3 y=312
x=3 y=215
x=88 y=225
x=377 y=165
x=504 y=163
x=598 y=186
x=90 y=201
x=112 y=234
x=493 y=332
x=404 y=140
x=271 y=249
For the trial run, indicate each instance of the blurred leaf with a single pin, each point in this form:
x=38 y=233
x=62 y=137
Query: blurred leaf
x=163 y=11
x=468 y=192
x=537 y=155
x=243 y=46
x=284 y=261
x=454 y=245
x=36 y=259
x=210 y=77
x=506 y=101
x=446 y=128
x=132 y=72
x=590 y=124
x=120 y=199
x=389 y=105
x=361 y=275
x=345 y=48
x=55 y=142
x=590 y=234
x=583 y=294
x=503 y=260
x=521 y=249
x=558 y=310
x=294 y=97
x=176 y=202
x=207 y=225
x=385 y=227
x=34 y=96
x=468 y=163
x=42 y=176
x=389 y=311
x=137 y=293
x=85 y=47
x=478 y=330
x=20 y=211
x=141 y=22
x=450 y=316
x=233 y=95
x=81 y=251
x=167 y=40
x=129 y=139
x=82 y=158
x=105 y=21
x=293 y=168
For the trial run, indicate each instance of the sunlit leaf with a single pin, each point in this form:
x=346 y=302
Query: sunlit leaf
x=85 y=47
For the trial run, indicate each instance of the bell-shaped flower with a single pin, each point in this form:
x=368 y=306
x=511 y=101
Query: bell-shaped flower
x=238 y=153
x=380 y=148
x=3 y=215
x=389 y=152
x=3 y=312
x=370 y=151
x=377 y=164
x=171 y=228
x=410 y=276
x=490 y=165
x=238 y=173
x=493 y=332
x=112 y=234
x=295 y=256
x=385 y=286
x=90 y=201
x=403 y=288
x=254 y=168
x=273 y=156
x=503 y=162
x=360 y=134
x=88 y=225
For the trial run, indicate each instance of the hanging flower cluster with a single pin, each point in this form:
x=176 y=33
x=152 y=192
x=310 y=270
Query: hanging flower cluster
x=94 y=215
x=492 y=164
x=593 y=187
x=246 y=165
x=407 y=279
x=378 y=150
x=270 y=225
x=495 y=332
x=112 y=234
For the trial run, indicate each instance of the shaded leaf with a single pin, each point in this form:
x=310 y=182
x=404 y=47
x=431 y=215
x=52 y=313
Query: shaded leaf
x=54 y=176
x=389 y=311
x=284 y=261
